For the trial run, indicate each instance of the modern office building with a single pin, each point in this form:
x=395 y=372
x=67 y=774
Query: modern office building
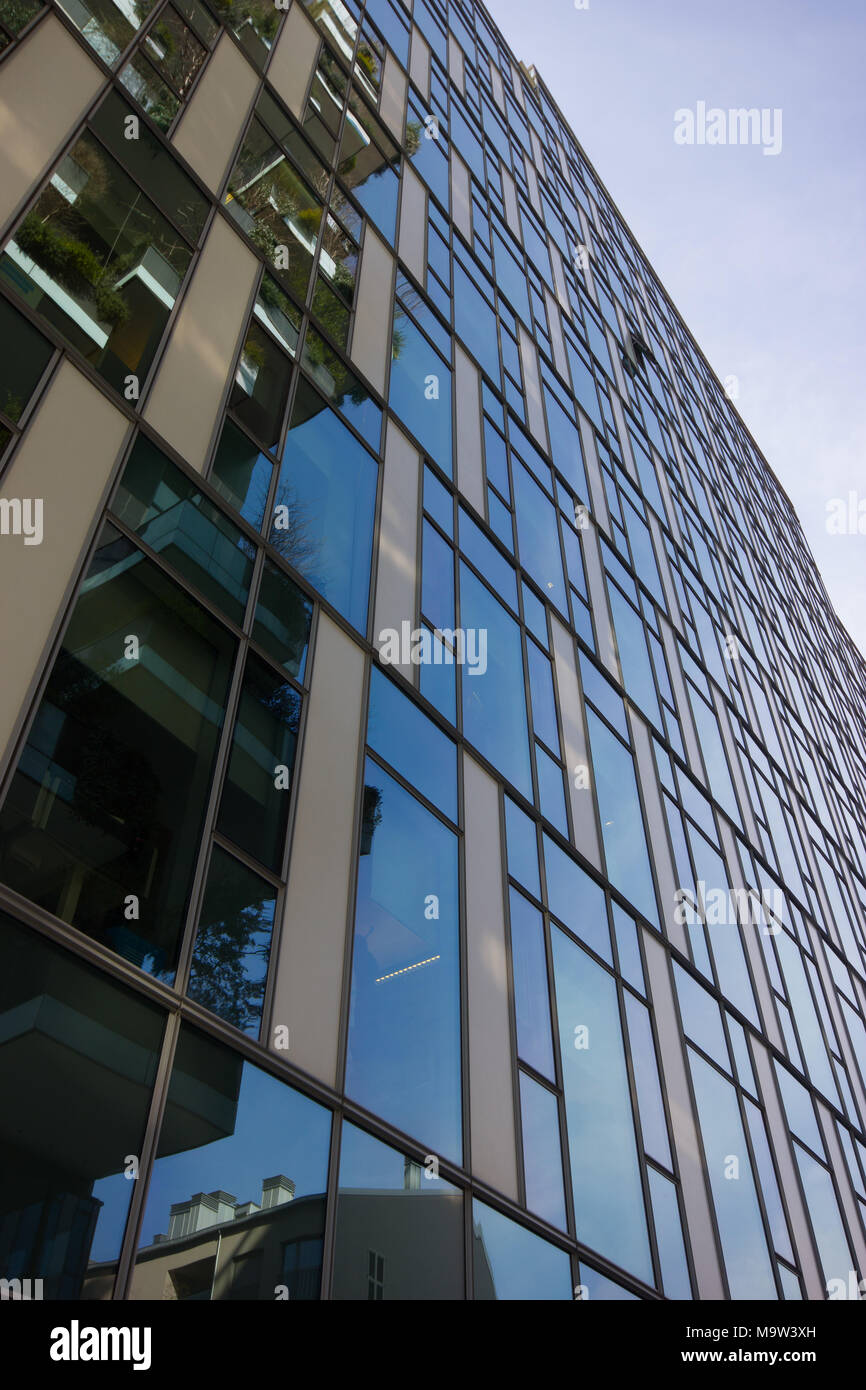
x=433 y=805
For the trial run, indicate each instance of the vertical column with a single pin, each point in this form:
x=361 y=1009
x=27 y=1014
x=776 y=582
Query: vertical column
x=311 y=952
x=491 y=1083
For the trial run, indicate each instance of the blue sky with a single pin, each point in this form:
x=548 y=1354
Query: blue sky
x=763 y=256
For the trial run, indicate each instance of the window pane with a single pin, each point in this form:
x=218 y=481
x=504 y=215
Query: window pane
x=633 y=655
x=261 y=387
x=542 y=1155
x=605 y=1173
x=601 y=1289
x=328 y=485
x=282 y=620
x=420 y=391
x=107 y=29
x=399 y=1230
x=747 y=1261
x=99 y=262
x=399 y=732
x=513 y=1263
x=494 y=703
x=543 y=702
x=654 y=1127
x=551 y=795
x=522 y=847
x=241 y=474
x=437 y=579
x=836 y=1258
x=344 y=390
x=404 y=1026
x=102 y=821
x=702 y=1019
x=625 y=846
x=275 y=206
x=531 y=998
x=669 y=1234
x=24 y=355
x=241 y=1170
x=769 y=1185
x=233 y=943
x=576 y=899
x=163 y=506
x=79 y=1061
x=147 y=87
x=254 y=810
x=538 y=537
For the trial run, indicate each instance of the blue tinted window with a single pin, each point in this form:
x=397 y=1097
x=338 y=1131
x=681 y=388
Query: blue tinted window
x=411 y=743
x=542 y=1155
x=420 y=391
x=513 y=1263
x=799 y=1109
x=437 y=579
x=605 y=1173
x=531 y=1001
x=438 y=502
x=576 y=899
x=538 y=537
x=634 y=657
x=628 y=948
x=327 y=487
x=649 y=1095
x=438 y=679
x=565 y=446
x=702 y=1019
x=669 y=1235
x=522 y=847
x=511 y=279
x=747 y=1261
x=725 y=938
x=833 y=1248
x=485 y=557
x=404 y=1027
x=494 y=703
x=551 y=795
x=475 y=322
x=497 y=464
x=602 y=694
x=543 y=701
x=625 y=848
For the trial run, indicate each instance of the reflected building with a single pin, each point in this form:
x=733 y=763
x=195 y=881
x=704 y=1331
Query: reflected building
x=431 y=772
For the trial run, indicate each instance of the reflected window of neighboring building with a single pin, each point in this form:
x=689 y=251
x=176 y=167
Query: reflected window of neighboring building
x=399 y=1228
x=241 y=1170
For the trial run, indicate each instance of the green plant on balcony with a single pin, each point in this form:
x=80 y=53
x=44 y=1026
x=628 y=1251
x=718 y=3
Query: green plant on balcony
x=72 y=264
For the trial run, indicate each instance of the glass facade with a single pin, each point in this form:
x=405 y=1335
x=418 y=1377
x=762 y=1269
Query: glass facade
x=433 y=815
